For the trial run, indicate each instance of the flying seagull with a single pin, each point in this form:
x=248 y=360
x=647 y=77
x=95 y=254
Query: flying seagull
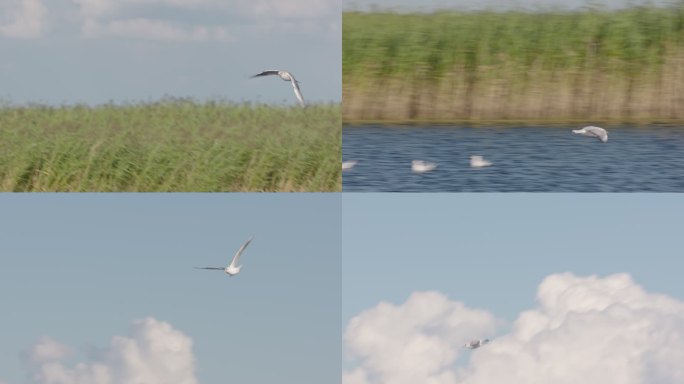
x=287 y=76
x=477 y=161
x=592 y=131
x=474 y=344
x=420 y=166
x=232 y=269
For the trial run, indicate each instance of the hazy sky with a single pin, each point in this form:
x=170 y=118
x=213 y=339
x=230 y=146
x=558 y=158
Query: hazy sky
x=429 y=5
x=96 y=51
x=482 y=258
x=101 y=278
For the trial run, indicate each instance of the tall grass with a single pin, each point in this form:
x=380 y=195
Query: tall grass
x=498 y=65
x=174 y=145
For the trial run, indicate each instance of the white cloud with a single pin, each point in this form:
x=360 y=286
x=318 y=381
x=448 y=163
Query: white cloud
x=154 y=353
x=257 y=8
x=22 y=18
x=102 y=18
x=91 y=9
x=154 y=30
x=415 y=342
x=586 y=330
x=294 y=9
x=47 y=350
x=589 y=330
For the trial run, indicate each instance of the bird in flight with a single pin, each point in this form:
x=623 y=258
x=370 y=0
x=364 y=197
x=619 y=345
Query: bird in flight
x=287 y=76
x=474 y=344
x=232 y=269
x=592 y=131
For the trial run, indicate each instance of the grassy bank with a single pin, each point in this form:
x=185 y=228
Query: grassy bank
x=170 y=146
x=593 y=65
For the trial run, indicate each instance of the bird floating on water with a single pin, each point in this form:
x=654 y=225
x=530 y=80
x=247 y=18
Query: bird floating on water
x=287 y=76
x=474 y=344
x=347 y=165
x=232 y=269
x=420 y=166
x=592 y=131
x=477 y=161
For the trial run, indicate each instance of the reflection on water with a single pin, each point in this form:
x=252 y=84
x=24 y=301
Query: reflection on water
x=544 y=159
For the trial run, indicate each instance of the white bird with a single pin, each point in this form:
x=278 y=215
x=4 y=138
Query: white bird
x=474 y=344
x=592 y=131
x=287 y=76
x=347 y=165
x=420 y=166
x=477 y=161
x=232 y=269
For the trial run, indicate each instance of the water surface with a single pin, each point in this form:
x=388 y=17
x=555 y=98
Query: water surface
x=525 y=159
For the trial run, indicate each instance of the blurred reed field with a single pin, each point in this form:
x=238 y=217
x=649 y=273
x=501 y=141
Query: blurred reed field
x=552 y=66
x=173 y=145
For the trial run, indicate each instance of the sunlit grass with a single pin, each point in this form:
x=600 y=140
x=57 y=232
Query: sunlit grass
x=175 y=145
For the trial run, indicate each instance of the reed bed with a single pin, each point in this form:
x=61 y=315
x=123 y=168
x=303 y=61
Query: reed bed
x=621 y=65
x=173 y=145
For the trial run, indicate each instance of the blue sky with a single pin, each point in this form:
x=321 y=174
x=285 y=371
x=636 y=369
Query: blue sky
x=80 y=268
x=429 y=5
x=491 y=251
x=96 y=51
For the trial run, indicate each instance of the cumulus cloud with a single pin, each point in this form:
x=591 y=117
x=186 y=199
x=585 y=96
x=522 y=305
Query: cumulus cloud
x=586 y=330
x=48 y=349
x=22 y=18
x=415 y=342
x=153 y=353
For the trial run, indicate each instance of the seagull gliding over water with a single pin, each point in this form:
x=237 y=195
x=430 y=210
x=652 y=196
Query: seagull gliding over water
x=287 y=76
x=592 y=131
x=232 y=269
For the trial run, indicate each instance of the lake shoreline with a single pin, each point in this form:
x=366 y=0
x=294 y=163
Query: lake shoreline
x=512 y=123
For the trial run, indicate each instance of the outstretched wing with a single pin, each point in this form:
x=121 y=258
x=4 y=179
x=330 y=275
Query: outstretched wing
x=297 y=91
x=267 y=73
x=601 y=133
x=236 y=257
x=592 y=131
x=220 y=269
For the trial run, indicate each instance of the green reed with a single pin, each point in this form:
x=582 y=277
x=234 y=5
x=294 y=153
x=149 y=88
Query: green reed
x=431 y=45
x=173 y=145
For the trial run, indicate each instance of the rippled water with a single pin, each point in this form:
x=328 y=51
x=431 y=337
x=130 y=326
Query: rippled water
x=549 y=159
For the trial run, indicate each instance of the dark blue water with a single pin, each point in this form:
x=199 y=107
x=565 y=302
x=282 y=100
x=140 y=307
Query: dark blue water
x=525 y=159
